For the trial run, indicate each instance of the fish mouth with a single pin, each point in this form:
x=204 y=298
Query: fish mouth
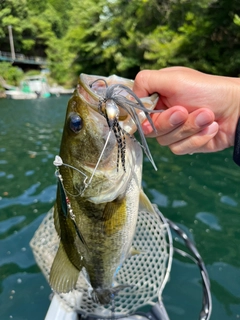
x=92 y=89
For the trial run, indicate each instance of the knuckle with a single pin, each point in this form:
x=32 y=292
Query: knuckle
x=162 y=141
x=186 y=146
x=177 y=150
x=195 y=143
x=140 y=78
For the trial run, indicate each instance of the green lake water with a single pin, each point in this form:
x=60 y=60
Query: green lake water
x=201 y=193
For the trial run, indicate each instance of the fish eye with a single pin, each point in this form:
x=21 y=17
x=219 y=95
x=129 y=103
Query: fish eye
x=76 y=123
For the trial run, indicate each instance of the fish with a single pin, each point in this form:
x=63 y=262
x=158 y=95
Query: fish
x=99 y=193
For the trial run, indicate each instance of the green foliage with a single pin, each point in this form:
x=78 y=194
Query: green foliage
x=12 y=75
x=122 y=36
x=61 y=62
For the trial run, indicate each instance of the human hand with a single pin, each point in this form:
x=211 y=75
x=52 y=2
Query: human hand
x=201 y=110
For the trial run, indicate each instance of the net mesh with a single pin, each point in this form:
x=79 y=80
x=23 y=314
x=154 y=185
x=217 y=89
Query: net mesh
x=145 y=273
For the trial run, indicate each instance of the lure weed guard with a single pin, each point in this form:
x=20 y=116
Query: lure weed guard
x=145 y=273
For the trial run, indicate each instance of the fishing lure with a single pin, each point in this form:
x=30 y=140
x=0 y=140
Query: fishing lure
x=109 y=108
x=111 y=114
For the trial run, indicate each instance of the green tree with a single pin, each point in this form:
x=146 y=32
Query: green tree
x=122 y=36
x=14 y=13
x=12 y=75
x=205 y=38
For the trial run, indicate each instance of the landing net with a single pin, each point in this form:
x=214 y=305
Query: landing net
x=146 y=273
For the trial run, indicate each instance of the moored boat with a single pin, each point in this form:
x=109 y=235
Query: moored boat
x=34 y=87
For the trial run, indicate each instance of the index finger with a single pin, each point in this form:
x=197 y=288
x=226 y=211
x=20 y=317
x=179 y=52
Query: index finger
x=151 y=81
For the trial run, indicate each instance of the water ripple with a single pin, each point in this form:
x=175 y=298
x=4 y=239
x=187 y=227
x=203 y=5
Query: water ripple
x=16 y=249
x=9 y=223
x=159 y=198
x=209 y=219
x=229 y=201
x=46 y=196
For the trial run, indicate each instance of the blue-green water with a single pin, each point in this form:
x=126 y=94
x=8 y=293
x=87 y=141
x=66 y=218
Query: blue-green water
x=199 y=192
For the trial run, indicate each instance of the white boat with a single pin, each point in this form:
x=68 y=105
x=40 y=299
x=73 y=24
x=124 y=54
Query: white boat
x=59 y=90
x=20 y=95
x=34 y=87
x=30 y=88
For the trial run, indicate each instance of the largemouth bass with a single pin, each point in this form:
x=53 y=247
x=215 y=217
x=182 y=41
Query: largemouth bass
x=99 y=174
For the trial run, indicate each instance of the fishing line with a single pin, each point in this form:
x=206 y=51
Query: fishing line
x=67 y=208
x=58 y=162
x=99 y=159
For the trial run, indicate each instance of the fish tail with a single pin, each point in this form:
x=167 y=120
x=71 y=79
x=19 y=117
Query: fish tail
x=105 y=296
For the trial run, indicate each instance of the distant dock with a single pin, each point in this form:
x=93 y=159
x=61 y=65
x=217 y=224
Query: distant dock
x=22 y=59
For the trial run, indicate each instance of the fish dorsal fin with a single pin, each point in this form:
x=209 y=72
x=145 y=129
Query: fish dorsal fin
x=63 y=274
x=144 y=203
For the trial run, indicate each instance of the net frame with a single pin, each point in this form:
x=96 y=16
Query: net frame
x=145 y=273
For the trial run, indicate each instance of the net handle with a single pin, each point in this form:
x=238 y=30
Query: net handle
x=207 y=299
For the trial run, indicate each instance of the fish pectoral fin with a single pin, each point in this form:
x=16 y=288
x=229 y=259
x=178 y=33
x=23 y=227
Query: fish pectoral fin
x=106 y=295
x=114 y=216
x=145 y=203
x=63 y=274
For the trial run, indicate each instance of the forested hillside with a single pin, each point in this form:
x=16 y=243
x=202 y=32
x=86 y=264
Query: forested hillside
x=124 y=36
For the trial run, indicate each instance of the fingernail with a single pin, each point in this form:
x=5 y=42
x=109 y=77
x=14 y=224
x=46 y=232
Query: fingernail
x=147 y=128
x=202 y=119
x=212 y=128
x=177 y=117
